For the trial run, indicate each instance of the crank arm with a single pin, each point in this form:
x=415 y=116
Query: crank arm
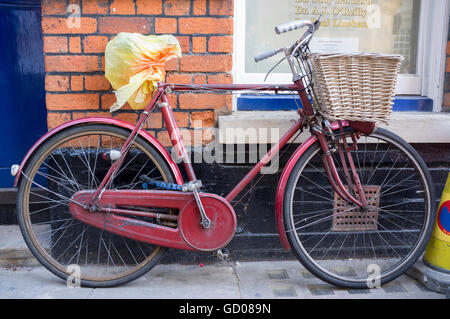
x=192 y=186
x=205 y=222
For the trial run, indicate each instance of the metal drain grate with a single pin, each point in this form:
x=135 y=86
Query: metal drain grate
x=355 y=219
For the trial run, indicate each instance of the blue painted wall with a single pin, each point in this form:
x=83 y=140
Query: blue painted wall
x=280 y=102
x=23 y=117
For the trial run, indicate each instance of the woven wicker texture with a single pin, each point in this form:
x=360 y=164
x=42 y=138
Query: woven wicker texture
x=356 y=86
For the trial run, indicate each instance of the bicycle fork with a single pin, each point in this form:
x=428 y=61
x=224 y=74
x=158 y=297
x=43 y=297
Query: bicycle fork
x=331 y=170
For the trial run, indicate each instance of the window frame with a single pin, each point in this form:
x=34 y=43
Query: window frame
x=431 y=54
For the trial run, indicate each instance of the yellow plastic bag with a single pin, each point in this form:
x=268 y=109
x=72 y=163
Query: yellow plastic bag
x=134 y=64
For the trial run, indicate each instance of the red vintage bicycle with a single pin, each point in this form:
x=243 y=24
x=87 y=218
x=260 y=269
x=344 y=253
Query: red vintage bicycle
x=354 y=202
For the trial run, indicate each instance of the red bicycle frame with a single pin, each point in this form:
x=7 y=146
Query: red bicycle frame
x=191 y=234
x=306 y=116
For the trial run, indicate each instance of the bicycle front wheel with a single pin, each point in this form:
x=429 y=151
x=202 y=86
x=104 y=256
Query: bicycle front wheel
x=71 y=161
x=349 y=247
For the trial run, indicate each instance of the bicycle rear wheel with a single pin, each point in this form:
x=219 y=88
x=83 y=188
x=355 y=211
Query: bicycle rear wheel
x=75 y=160
x=346 y=246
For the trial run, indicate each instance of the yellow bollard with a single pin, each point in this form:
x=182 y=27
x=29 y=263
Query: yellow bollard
x=434 y=270
x=437 y=254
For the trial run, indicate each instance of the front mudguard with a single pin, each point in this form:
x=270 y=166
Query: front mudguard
x=363 y=127
x=108 y=121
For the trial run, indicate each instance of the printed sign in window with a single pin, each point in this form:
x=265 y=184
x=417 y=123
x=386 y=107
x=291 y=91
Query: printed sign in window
x=378 y=26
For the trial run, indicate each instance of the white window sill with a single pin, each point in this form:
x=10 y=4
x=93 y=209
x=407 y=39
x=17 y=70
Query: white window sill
x=255 y=127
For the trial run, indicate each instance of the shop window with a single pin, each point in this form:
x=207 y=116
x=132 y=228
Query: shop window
x=385 y=26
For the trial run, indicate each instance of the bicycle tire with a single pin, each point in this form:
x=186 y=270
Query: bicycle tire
x=151 y=255
x=315 y=258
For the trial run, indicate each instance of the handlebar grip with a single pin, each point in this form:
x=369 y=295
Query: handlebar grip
x=266 y=55
x=289 y=26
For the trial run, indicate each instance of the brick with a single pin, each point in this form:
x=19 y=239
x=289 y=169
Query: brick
x=206 y=63
x=114 y=25
x=152 y=133
x=154 y=121
x=109 y=99
x=220 y=44
x=122 y=7
x=221 y=7
x=448 y=48
x=200 y=79
x=52 y=7
x=95 y=6
x=96 y=83
x=56 y=119
x=78 y=115
x=201 y=25
x=77 y=83
x=150 y=7
x=98 y=114
x=164 y=139
x=178 y=78
x=127 y=117
x=220 y=78
x=171 y=65
x=95 y=44
x=73 y=8
x=177 y=7
x=75 y=45
x=204 y=101
x=52 y=25
x=448 y=65
x=184 y=43
x=71 y=63
x=203 y=119
x=166 y=25
x=199 y=7
x=447 y=99
x=77 y=2
x=71 y=101
x=55 y=44
x=224 y=110
x=182 y=119
x=102 y=63
x=202 y=137
x=56 y=83
x=173 y=100
x=198 y=44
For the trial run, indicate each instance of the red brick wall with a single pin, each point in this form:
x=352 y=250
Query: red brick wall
x=74 y=57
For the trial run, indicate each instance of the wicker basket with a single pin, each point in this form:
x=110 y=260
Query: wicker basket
x=356 y=87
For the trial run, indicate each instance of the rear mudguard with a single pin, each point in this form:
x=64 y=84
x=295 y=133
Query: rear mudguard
x=109 y=121
x=366 y=128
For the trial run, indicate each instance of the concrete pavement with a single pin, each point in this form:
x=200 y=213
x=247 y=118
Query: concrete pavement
x=226 y=280
x=21 y=276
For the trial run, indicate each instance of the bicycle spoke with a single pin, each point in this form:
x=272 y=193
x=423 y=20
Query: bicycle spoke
x=73 y=164
x=340 y=239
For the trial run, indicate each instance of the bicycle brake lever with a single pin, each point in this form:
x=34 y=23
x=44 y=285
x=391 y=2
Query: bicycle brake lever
x=273 y=68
